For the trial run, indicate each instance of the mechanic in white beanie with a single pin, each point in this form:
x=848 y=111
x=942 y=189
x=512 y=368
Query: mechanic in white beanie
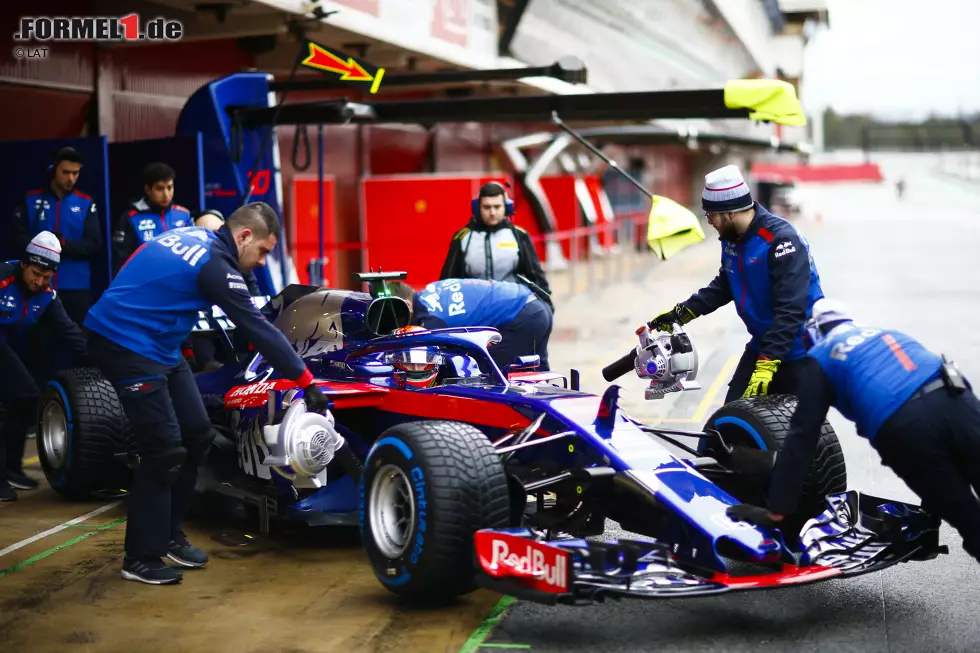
x=26 y=301
x=767 y=270
x=44 y=250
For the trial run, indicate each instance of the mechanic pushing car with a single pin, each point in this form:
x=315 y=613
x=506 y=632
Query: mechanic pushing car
x=151 y=215
x=72 y=217
x=767 y=269
x=136 y=337
x=523 y=320
x=27 y=302
x=913 y=406
x=491 y=246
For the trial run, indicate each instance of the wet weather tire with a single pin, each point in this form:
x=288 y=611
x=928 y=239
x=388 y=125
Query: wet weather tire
x=763 y=422
x=428 y=487
x=81 y=427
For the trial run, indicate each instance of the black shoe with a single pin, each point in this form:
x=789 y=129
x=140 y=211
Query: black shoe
x=7 y=493
x=21 y=481
x=186 y=554
x=152 y=571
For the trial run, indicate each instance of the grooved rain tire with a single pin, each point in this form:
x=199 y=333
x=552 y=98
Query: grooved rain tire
x=769 y=418
x=458 y=487
x=97 y=429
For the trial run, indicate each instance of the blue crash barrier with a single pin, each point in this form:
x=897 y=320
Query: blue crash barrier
x=182 y=153
x=230 y=154
x=31 y=161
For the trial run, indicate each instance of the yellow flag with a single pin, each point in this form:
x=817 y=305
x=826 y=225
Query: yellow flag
x=671 y=227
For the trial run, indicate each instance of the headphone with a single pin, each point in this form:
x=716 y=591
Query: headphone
x=63 y=154
x=508 y=203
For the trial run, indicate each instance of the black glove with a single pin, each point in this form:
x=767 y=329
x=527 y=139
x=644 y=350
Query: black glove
x=753 y=515
x=315 y=401
x=665 y=321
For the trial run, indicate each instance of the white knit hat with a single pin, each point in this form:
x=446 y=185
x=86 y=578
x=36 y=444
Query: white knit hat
x=725 y=191
x=44 y=250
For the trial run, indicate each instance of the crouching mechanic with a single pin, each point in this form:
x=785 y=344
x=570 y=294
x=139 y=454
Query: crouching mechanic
x=767 y=270
x=136 y=338
x=916 y=410
x=27 y=302
x=523 y=320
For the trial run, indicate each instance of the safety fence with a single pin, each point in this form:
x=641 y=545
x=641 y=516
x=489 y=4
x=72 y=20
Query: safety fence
x=962 y=164
x=575 y=261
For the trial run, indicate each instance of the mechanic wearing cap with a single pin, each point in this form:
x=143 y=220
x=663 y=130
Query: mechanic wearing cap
x=27 y=301
x=72 y=217
x=136 y=337
x=524 y=321
x=151 y=215
x=768 y=271
x=915 y=409
x=491 y=246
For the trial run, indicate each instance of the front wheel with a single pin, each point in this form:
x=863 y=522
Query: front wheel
x=763 y=423
x=428 y=486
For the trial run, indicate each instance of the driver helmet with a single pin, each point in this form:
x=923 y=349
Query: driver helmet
x=420 y=365
x=826 y=314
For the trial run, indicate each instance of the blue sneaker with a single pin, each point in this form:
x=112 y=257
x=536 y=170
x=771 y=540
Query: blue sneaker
x=152 y=571
x=186 y=554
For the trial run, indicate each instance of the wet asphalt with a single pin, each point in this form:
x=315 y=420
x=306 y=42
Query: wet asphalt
x=912 y=265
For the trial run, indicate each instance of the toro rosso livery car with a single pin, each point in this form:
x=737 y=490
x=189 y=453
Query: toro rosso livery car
x=460 y=474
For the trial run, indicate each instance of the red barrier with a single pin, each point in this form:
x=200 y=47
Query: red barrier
x=305 y=229
x=831 y=172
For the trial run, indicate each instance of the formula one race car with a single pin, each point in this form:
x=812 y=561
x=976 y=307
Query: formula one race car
x=461 y=474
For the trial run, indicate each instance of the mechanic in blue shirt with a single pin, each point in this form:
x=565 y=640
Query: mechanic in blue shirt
x=27 y=302
x=915 y=409
x=72 y=217
x=523 y=320
x=151 y=215
x=137 y=328
x=768 y=271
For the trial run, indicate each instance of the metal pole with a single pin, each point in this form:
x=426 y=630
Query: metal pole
x=319 y=180
x=592 y=148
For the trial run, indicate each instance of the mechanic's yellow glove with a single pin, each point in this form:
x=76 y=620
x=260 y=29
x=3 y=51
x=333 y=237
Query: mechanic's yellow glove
x=761 y=377
x=665 y=321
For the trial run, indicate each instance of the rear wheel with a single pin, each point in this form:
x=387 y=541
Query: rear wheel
x=427 y=488
x=81 y=427
x=763 y=423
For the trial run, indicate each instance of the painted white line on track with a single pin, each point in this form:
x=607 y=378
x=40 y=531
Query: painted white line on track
x=59 y=528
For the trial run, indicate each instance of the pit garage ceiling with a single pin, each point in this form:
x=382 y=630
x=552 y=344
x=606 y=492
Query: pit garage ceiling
x=263 y=29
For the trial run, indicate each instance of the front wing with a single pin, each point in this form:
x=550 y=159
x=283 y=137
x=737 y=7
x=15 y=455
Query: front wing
x=856 y=534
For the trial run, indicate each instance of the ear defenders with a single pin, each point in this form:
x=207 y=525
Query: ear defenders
x=61 y=155
x=508 y=203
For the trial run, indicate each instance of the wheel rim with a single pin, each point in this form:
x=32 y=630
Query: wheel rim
x=54 y=435
x=392 y=511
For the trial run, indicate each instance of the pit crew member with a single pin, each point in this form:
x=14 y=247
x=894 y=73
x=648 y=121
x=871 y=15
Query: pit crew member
x=491 y=246
x=523 y=320
x=151 y=215
x=136 y=337
x=915 y=409
x=27 y=302
x=73 y=218
x=768 y=271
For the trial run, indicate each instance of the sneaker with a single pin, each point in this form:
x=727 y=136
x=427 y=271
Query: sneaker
x=186 y=554
x=7 y=493
x=21 y=481
x=152 y=571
